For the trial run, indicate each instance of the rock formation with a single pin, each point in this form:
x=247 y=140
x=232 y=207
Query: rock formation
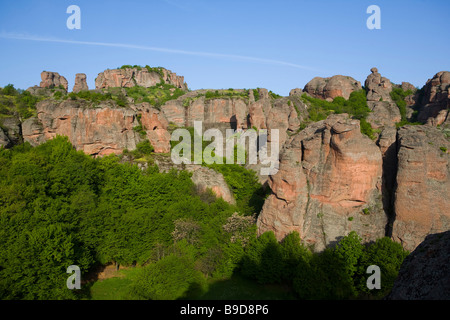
x=4 y=140
x=236 y=113
x=206 y=178
x=130 y=77
x=96 y=131
x=155 y=124
x=330 y=88
x=423 y=183
x=435 y=103
x=378 y=88
x=10 y=131
x=331 y=178
x=80 y=83
x=385 y=112
x=425 y=273
x=52 y=80
x=328 y=184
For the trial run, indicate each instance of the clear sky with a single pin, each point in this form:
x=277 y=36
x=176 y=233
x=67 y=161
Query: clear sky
x=278 y=45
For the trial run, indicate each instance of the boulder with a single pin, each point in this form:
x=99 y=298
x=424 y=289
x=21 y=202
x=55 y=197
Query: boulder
x=423 y=182
x=4 y=140
x=425 y=273
x=206 y=178
x=330 y=88
x=12 y=130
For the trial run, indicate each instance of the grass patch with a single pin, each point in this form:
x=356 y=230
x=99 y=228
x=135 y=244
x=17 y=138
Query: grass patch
x=235 y=288
x=115 y=288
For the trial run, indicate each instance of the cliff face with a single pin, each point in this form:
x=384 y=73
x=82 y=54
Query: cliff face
x=423 y=182
x=425 y=273
x=436 y=100
x=331 y=179
x=96 y=131
x=329 y=173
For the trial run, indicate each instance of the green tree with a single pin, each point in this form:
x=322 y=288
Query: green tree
x=170 y=278
x=386 y=254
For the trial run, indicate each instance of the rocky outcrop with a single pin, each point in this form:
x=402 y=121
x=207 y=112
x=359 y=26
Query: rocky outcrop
x=11 y=131
x=236 y=113
x=423 y=182
x=96 y=131
x=384 y=112
x=206 y=178
x=435 y=103
x=328 y=184
x=378 y=88
x=80 y=83
x=130 y=77
x=425 y=273
x=330 y=88
x=203 y=178
x=53 y=80
x=4 y=140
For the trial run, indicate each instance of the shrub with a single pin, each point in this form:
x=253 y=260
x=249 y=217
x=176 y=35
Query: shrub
x=58 y=95
x=355 y=106
x=170 y=278
x=256 y=94
x=144 y=147
x=386 y=254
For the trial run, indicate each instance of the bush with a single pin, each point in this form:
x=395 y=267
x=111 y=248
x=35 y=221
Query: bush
x=355 y=106
x=144 y=147
x=263 y=259
x=398 y=96
x=170 y=278
x=58 y=95
x=386 y=254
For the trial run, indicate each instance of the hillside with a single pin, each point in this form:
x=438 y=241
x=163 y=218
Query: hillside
x=87 y=178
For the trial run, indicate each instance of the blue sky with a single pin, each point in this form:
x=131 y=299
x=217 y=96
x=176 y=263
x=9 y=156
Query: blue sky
x=278 y=45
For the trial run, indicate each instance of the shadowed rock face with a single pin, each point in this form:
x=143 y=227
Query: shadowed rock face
x=131 y=77
x=52 y=79
x=436 y=99
x=330 y=88
x=4 y=140
x=425 y=273
x=423 y=183
x=328 y=174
